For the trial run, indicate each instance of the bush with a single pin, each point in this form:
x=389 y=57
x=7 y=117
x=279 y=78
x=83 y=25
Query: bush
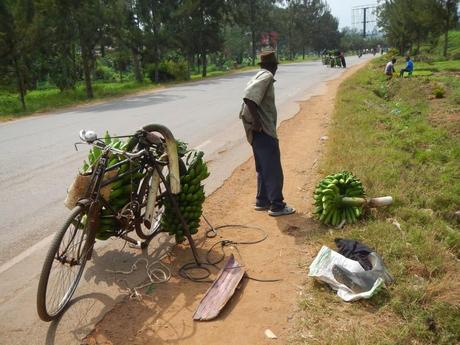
x=105 y=73
x=423 y=58
x=439 y=91
x=392 y=53
x=169 y=70
x=455 y=56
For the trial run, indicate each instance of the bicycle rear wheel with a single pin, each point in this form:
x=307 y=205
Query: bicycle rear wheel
x=141 y=230
x=63 y=266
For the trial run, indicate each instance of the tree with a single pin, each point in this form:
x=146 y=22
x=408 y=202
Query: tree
x=201 y=23
x=252 y=16
x=89 y=17
x=17 y=42
x=155 y=16
x=406 y=22
x=55 y=22
x=309 y=16
x=447 y=11
x=236 y=43
x=327 y=35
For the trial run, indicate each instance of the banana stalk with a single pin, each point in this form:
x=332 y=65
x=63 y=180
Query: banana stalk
x=151 y=199
x=173 y=158
x=371 y=202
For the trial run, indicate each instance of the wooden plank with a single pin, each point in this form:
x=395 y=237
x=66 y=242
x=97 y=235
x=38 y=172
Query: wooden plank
x=221 y=290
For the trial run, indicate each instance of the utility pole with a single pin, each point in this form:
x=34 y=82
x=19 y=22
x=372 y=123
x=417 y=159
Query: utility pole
x=364 y=21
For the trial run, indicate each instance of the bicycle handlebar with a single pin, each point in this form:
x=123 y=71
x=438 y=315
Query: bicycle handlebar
x=129 y=155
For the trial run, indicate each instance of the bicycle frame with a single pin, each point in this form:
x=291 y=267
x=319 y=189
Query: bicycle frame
x=95 y=201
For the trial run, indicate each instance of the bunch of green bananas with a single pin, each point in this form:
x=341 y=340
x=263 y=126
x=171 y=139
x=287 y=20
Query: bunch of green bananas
x=329 y=194
x=190 y=199
x=121 y=190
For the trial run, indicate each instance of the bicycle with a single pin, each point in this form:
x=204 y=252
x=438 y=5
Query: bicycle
x=73 y=244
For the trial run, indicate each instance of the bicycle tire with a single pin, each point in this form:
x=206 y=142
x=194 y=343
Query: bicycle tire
x=44 y=311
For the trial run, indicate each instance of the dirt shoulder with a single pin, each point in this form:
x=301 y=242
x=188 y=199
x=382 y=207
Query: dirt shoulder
x=166 y=315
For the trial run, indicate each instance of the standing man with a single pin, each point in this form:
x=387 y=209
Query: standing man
x=259 y=117
x=409 y=67
x=342 y=59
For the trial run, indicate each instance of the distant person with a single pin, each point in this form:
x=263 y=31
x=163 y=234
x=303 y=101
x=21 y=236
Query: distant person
x=409 y=67
x=259 y=117
x=342 y=59
x=390 y=68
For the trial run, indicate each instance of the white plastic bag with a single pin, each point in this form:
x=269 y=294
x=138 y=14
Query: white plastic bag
x=321 y=269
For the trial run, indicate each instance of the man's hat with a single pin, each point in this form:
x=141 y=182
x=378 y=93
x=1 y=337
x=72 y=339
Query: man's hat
x=268 y=58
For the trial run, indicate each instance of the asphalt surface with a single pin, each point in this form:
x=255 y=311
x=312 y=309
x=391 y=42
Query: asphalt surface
x=39 y=161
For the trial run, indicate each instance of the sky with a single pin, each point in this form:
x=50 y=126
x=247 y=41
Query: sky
x=342 y=9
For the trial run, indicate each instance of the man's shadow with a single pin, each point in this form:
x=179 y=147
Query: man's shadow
x=301 y=226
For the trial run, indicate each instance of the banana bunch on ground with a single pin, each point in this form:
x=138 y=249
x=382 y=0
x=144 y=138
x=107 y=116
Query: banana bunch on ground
x=120 y=190
x=190 y=199
x=331 y=207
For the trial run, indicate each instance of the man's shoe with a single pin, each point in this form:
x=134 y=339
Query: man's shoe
x=261 y=208
x=283 y=212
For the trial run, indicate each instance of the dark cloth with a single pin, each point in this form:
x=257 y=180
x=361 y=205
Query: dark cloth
x=269 y=171
x=354 y=250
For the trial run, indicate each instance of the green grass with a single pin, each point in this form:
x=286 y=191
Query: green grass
x=436 y=66
x=52 y=98
x=453 y=45
x=386 y=134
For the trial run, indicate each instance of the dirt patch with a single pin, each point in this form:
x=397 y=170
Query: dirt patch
x=445 y=115
x=166 y=315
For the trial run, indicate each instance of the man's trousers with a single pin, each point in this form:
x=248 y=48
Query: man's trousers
x=269 y=172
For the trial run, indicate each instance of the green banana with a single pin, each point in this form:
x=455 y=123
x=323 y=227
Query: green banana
x=190 y=199
x=329 y=193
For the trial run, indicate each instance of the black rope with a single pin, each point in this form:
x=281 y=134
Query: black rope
x=212 y=232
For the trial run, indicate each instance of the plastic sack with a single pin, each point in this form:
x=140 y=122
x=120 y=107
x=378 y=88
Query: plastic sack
x=321 y=269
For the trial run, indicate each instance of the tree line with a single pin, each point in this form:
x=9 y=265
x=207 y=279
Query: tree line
x=409 y=23
x=62 y=42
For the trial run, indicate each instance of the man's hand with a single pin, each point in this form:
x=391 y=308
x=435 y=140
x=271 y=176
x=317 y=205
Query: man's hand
x=256 y=123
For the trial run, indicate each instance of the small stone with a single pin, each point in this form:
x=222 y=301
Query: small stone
x=270 y=334
x=457 y=215
x=324 y=138
x=428 y=211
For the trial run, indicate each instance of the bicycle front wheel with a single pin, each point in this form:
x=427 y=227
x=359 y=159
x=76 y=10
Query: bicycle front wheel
x=63 y=266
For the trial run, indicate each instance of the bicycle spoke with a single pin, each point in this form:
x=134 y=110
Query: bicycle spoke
x=67 y=266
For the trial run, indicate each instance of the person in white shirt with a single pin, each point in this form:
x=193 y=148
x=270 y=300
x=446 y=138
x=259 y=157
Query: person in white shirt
x=390 y=68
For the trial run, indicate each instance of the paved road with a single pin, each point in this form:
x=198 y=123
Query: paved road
x=38 y=162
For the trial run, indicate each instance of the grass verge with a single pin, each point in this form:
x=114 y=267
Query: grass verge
x=400 y=140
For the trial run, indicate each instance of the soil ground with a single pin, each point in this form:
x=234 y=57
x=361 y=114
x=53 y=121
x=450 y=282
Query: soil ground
x=165 y=316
